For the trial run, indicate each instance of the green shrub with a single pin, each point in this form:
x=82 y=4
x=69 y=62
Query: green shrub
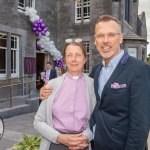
x=28 y=143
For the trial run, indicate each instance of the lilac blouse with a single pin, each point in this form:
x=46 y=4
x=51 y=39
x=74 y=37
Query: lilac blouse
x=70 y=107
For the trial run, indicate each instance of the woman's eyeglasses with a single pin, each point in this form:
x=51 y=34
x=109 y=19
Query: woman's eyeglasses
x=73 y=40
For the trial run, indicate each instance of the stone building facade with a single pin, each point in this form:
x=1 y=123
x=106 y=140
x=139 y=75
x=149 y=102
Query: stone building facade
x=65 y=19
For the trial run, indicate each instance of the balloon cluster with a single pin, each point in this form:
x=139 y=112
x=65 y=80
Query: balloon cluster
x=41 y=31
x=39 y=27
x=59 y=63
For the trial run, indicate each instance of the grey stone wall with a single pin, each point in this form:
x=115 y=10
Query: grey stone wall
x=59 y=16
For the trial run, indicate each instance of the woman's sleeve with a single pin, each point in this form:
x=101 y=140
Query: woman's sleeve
x=41 y=125
x=87 y=132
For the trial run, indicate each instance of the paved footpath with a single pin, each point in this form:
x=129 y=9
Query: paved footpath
x=18 y=125
x=14 y=128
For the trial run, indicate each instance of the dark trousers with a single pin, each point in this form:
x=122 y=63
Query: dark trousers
x=60 y=147
x=57 y=147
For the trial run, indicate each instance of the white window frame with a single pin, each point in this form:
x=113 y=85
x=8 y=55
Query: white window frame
x=15 y=60
x=87 y=47
x=21 y=8
x=2 y=75
x=31 y=3
x=79 y=11
x=86 y=16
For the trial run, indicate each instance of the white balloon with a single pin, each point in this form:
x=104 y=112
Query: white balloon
x=32 y=19
x=38 y=42
x=44 y=41
x=47 y=33
x=47 y=39
x=37 y=17
x=52 y=42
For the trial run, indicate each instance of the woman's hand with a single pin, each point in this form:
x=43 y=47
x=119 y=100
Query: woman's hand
x=78 y=142
x=73 y=141
x=45 y=92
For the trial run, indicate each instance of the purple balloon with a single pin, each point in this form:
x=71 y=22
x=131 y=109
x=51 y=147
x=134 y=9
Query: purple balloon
x=41 y=20
x=38 y=21
x=39 y=46
x=45 y=29
x=43 y=33
x=34 y=29
x=36 y=33
x=39 y=29
x=35 y=24
x=43 y=25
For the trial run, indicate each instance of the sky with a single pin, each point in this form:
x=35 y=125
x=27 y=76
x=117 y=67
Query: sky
x=145 y=6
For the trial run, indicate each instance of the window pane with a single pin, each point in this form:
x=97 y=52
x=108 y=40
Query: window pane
x=3 y=40
x=14 y=42
x=14 y=55
x=30 y=3
x=2 y=60
x=86 y=3
x=127 y=10
x=86 y=66
x=78 y=4
x=21 y=5
x=3 y=43
x=13 y=61
x=78 y=11
x=86 y=9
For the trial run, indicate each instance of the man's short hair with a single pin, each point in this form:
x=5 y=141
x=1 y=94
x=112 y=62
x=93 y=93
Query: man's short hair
x=49 y=63
x=106 y=18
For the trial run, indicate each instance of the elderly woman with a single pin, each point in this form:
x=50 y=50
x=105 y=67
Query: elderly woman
x=63 y=119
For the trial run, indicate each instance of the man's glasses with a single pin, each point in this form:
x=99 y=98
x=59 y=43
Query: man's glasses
x=109 y=36
x=73 y=40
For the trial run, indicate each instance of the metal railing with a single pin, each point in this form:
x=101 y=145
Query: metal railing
x=10 y=85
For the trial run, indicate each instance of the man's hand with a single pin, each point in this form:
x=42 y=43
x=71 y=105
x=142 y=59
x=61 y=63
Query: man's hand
x=73 y=141
x=45 y=91
x=78 y=142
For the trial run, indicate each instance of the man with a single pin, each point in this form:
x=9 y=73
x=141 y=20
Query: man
x=49 y=74
x=121 y=116
x=120 y=120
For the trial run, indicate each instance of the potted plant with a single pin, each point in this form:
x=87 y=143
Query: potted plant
x=28 y=143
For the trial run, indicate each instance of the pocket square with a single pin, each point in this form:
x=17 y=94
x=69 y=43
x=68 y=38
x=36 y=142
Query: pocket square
x=118 y=86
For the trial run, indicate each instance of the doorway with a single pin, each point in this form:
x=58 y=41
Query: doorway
x=40 y=66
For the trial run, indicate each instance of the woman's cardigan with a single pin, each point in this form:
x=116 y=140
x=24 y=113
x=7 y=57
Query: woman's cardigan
x=43 y=118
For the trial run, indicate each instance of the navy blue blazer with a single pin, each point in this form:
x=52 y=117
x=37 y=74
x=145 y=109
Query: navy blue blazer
x=122 y=114
x=53 y=74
